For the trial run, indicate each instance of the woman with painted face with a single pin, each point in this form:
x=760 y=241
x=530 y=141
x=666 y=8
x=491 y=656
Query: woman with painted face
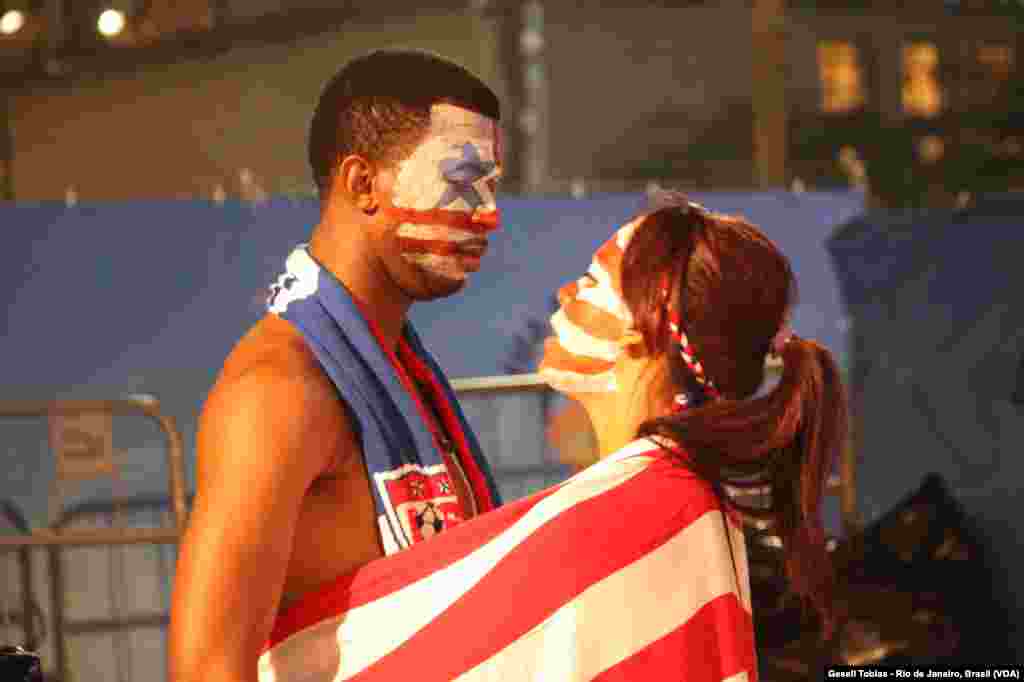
x=634 y=568
x=663 y=342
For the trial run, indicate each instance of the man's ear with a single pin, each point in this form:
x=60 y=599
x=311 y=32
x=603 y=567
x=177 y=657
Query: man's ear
x=355 y=182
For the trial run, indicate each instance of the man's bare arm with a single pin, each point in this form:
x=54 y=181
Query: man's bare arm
x=263 y=439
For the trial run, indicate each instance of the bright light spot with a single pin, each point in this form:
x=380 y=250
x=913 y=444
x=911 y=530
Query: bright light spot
x=111 y=22
x=11 y=22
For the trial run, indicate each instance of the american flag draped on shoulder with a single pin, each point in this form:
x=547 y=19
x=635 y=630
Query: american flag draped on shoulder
x=627 y=571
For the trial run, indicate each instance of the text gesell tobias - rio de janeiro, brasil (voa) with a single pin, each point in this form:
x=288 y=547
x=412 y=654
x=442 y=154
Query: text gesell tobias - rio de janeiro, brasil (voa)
x=925 y=672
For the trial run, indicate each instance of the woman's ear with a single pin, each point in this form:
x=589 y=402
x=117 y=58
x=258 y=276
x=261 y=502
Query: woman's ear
x=632 y=342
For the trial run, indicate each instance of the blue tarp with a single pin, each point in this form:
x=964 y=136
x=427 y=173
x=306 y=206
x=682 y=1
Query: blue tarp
x=171 y=285
x=107 y=299
x=936 y=304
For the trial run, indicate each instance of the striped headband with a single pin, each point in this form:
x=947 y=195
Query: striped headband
x=689 y=356
x=678 y=335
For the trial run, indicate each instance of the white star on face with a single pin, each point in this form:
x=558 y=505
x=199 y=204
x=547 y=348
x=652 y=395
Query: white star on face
x=463 y=173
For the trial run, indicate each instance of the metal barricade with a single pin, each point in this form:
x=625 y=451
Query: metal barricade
x=116 y=598
x=29 y=609
x=58 y=539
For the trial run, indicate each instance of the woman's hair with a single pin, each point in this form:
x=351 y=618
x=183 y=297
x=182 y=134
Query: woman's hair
x=734 y=290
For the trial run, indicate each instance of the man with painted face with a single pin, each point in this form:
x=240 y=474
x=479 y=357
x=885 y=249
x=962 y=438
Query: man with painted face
x=331 y=437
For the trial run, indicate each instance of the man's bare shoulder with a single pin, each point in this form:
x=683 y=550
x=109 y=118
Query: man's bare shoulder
x=271 y=383
x=271 y=347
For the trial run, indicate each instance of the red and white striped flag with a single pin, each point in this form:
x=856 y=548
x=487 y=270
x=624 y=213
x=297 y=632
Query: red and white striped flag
x=629 y=570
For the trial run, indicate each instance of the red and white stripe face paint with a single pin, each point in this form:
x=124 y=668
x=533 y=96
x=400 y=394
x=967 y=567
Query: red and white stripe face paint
x=444 y=194
x=590 y=324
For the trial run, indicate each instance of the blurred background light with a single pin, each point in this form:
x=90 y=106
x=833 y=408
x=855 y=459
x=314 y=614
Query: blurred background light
x=11 y=22
x=111 y=22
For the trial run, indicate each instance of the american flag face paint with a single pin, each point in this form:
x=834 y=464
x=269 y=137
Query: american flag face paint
x=444 y=193
x=590 y=324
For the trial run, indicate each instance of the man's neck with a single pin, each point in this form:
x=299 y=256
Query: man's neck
x=375 y=293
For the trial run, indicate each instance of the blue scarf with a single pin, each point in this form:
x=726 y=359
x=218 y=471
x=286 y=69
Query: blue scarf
x=412 y=487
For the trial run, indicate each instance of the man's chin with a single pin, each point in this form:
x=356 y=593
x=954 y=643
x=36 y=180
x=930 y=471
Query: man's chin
x=435 y=286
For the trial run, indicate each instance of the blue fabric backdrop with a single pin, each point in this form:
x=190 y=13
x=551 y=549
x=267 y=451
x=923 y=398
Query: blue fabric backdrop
x=107 y=299
x=938 y=355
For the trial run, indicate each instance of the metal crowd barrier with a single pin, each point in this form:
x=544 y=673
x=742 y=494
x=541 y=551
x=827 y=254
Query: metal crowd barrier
x=29 y=608
x=57 y=539
x=145 y=405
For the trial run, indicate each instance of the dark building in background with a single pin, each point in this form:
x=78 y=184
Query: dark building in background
x=918 y=101
x=599 y=96
x=672 y=94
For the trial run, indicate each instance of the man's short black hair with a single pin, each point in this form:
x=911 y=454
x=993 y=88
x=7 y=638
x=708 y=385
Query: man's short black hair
x=378 y=106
